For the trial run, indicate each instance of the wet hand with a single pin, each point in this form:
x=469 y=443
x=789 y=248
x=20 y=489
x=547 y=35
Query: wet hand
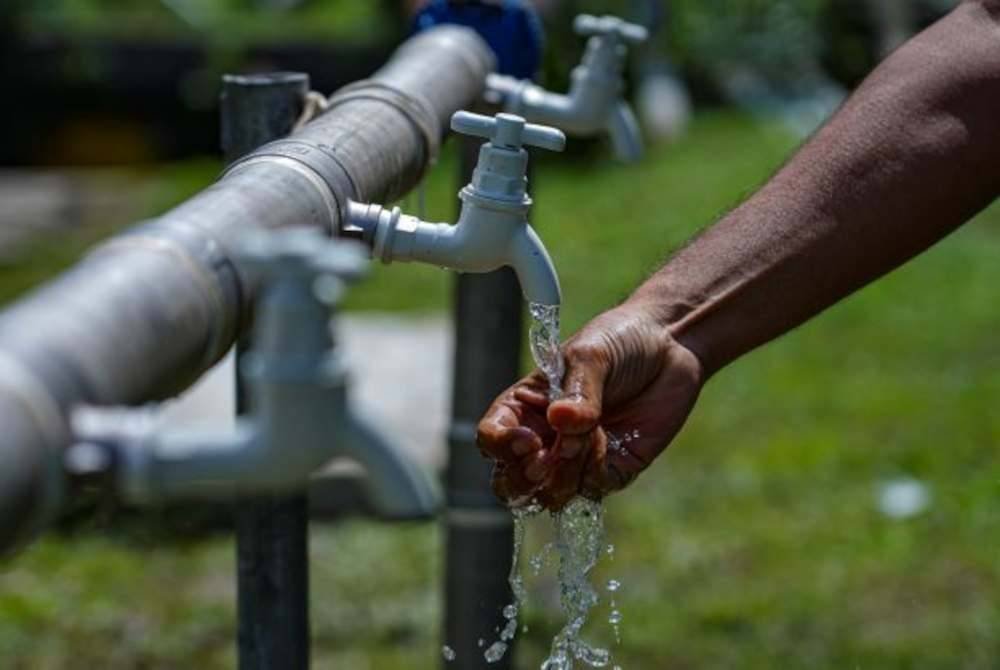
x=624 y=373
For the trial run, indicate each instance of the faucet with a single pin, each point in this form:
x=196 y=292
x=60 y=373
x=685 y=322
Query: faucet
x=301 y=417
x=594 y=103
x=492 y=229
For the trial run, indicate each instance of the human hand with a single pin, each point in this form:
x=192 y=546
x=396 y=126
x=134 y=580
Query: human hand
x=624 y=373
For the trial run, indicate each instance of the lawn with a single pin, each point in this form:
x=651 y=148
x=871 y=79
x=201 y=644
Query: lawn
x=755 y=542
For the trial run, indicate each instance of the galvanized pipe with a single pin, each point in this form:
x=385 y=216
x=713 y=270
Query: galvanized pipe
x=145 y=314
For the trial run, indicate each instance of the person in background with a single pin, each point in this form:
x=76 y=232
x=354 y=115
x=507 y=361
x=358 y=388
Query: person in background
x=909 y=157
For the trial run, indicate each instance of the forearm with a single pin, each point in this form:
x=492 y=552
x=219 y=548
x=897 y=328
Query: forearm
x=913 y=154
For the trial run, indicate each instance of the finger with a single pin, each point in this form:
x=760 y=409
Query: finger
x=539 y=465
x=579 y=410
x=619 y=469
x=532 y=396
x=524 y=441
x=592 y=482
x=535 y=421
x=509 y=483
x=510 y=429
x=564 y=482
x=496 y=431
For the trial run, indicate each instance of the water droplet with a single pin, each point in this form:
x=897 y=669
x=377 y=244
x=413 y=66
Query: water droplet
x=495 y=652
x=510 y=611
x=615 y=443
x=480 y=642
x=593 y=656
x=614 y=585
x=447 y=653
x=508 y=632
x=615 y=617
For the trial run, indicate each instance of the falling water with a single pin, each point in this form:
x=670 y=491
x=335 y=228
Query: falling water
x=544 y=339
x=579 y=541
x=497 y=650
x=579 y=537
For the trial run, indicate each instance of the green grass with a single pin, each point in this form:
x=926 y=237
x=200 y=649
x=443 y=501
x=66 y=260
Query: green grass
x=755 y=542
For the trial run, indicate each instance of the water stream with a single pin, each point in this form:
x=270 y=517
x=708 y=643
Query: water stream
x=543 y=337
x=579 y=541
x=578 y=544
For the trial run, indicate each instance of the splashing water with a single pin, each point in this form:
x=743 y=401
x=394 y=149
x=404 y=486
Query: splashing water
x=618 y=442
x=497 y=650
x=579 y=541
x=537 y=562
x=579 y=535
x=544 y=340
x=615 y=616
x=447 y=653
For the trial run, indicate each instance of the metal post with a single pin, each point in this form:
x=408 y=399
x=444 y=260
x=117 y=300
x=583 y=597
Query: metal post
x=272 y=532
x=488 y=324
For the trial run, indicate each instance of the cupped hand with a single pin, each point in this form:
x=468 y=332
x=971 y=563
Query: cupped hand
x=625 y=376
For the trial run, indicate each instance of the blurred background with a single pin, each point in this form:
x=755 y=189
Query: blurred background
x=835 y=498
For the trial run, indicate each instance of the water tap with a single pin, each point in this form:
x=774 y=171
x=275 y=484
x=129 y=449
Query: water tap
x=492 y=229
x=594 y=103
x=300 y=416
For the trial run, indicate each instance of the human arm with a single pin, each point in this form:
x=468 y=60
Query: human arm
x=911 y=155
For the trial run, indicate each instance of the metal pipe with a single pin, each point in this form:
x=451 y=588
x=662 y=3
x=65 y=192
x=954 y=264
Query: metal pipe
x=144 y=314
x=272 y=532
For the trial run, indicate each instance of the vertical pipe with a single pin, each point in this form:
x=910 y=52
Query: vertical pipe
x=488 y=313
x=271 y=532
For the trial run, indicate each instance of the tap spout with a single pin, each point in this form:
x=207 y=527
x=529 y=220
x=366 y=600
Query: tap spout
x=626 y=138
x=535 y=271
x=492 y=230
x=266 y=454
x=396 y=487
x=484 y=239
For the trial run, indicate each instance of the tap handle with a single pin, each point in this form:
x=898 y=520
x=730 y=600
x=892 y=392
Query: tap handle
x=508 y=131
x=306 y=251
x=588 y=25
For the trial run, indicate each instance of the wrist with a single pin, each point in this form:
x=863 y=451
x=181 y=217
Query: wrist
x=678 y=316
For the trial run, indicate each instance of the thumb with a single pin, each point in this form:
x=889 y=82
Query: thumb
x=579 y=409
